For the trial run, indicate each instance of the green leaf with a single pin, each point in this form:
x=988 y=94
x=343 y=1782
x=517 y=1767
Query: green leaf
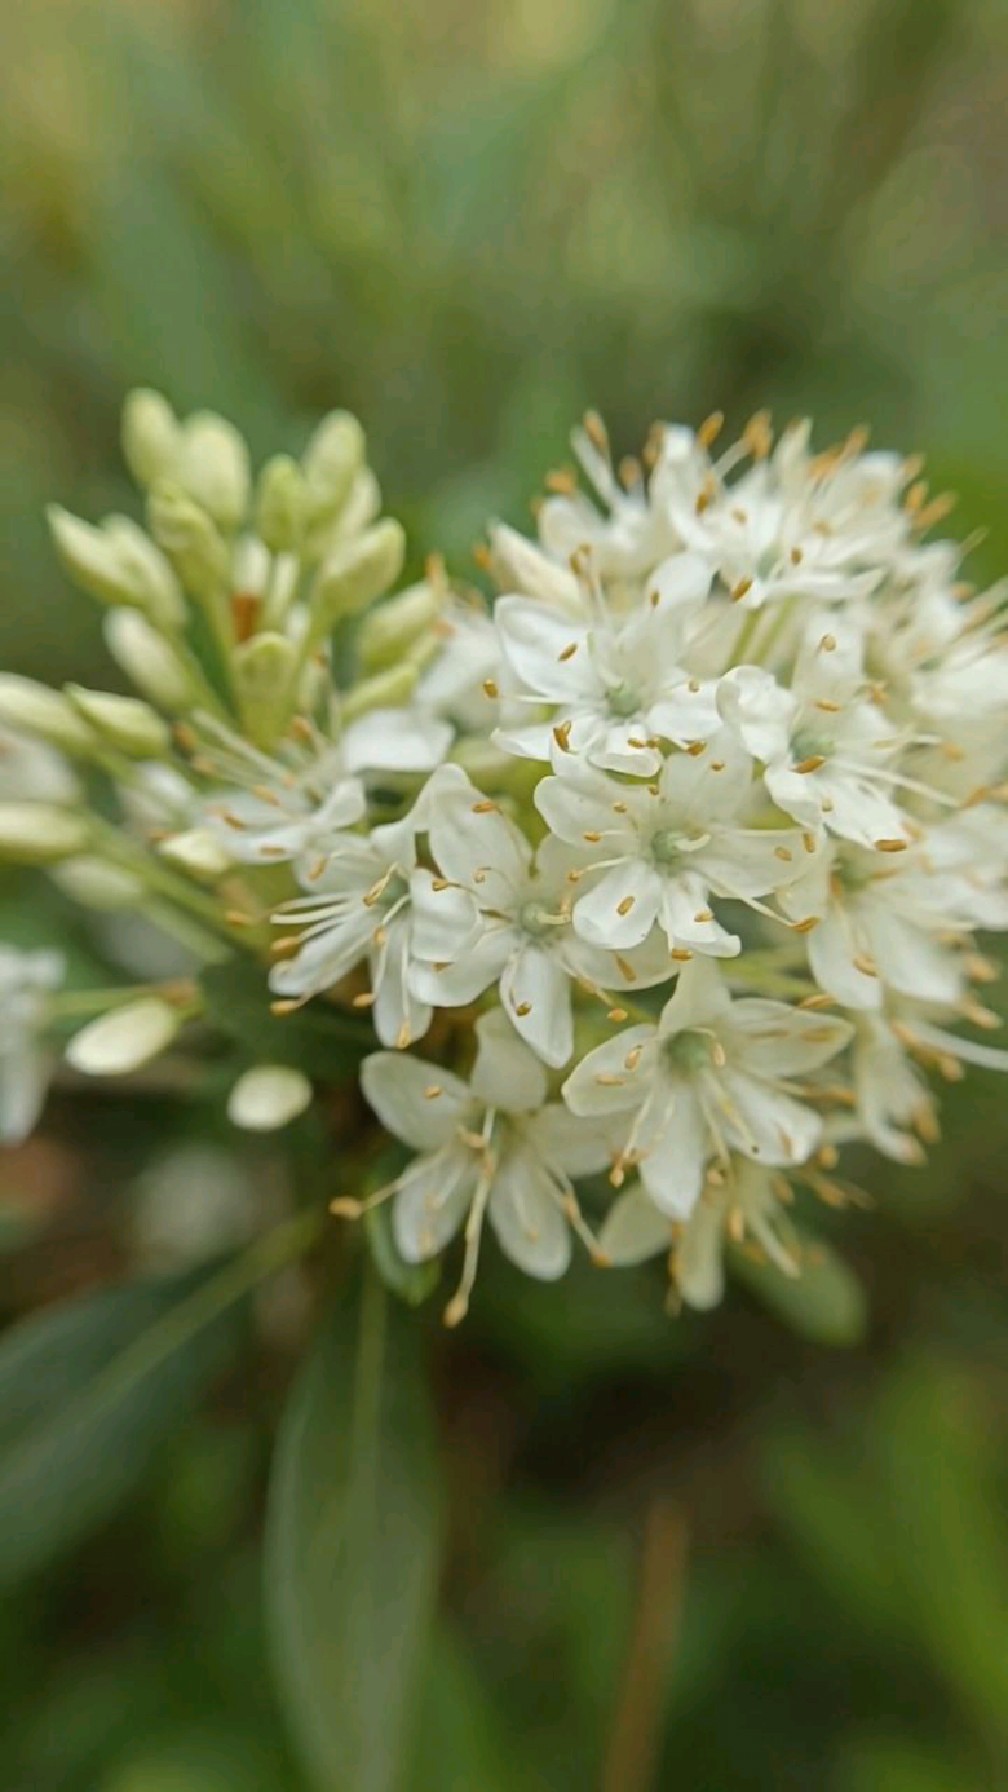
x=352 y=1545
x=411 y=1282
x=89 y=1391
x=86 y=1397
x=825 y=1304
x=320 y=1040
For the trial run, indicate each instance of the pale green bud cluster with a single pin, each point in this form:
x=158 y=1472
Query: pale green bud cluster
x=266 y=566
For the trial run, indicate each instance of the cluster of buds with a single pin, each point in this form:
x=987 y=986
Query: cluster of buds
x=683 y=842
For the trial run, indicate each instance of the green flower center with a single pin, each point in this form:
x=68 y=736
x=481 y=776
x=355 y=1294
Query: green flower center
x=809 y=745
x=689 y=1051
x=536 y=919
x=667 y=846
x=624 y=700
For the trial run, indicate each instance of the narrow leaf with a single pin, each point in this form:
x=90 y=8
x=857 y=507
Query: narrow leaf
x=83 y=1409
x=351 y=1545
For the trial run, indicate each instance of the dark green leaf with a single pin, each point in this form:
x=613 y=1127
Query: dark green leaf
x=86 y=1396
x=412 y=1282
x=351 y=1544
x=320 y=1040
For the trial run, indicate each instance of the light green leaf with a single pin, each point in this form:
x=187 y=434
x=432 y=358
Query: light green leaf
x=825 y=1304
x=352 y=1545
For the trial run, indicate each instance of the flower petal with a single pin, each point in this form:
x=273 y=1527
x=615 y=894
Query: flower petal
x=401 y=1090
x=634 y=1229
x=602 y=1083
x=432 y=1202
x=506 y=1074
x=525 y=1214
x=621 y=909
x=535 y=991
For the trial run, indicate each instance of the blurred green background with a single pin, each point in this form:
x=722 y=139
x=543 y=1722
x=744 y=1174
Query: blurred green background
x=466 y=222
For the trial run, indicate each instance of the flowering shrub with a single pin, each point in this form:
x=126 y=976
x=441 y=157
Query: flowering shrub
x=661 y=874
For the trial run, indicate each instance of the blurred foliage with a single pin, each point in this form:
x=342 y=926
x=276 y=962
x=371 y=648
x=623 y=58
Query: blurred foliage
x=465 y=223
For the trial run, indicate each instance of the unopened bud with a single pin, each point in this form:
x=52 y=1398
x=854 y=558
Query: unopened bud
x=328 y=531
x=281 y=504
x=125 y=722
x=332 y=459
x=151 y=436
x=268 y=1097
x=198 y=852
x=213 y=467
x=386 y=690
x=34 y=708
x=148 y=660
x=355 y=573
x=40 y=833
x=118 y=564
x=95 y=883
x=392 y=627
x=191 y=539
x=124 y=1039
x=263 y=670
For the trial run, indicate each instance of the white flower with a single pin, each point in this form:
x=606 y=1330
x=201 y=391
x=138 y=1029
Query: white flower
x=614 y=685
x=26 y=981
x=895 y=922
x=663 y=848
x=744 y=1202
x=713 y=1076
x=828 y=749
x=626 y=536
x=289 y=807
x=371 y=902
x=454 y=684
x=490 y=1148
x=819 y=526
x=523 y=936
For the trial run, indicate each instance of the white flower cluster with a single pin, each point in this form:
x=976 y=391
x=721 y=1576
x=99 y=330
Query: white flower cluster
x=670 y=861
x=765 y=722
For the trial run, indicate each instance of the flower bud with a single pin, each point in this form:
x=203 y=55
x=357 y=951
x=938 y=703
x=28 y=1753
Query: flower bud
x=328 y=531
x=355 y=573
x=392 y=627
x=191 y=540
x=268 y=1097
x=118 y=564
x=125 y=722
x=281 y=504
x=151 y=436
x=332 y=460
x=198 y=852
x=263 y=671
x=39 y=833
x=148 y=660
x=33 y=707
x=213 y=467
x=386 y=690
x=96 y=883
x=125 y=1038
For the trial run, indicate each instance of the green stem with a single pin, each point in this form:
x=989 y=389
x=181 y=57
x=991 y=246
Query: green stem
x=263 y=1259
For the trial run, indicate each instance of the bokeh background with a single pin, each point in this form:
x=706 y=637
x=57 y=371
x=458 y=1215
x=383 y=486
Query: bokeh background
x=715 y=1545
